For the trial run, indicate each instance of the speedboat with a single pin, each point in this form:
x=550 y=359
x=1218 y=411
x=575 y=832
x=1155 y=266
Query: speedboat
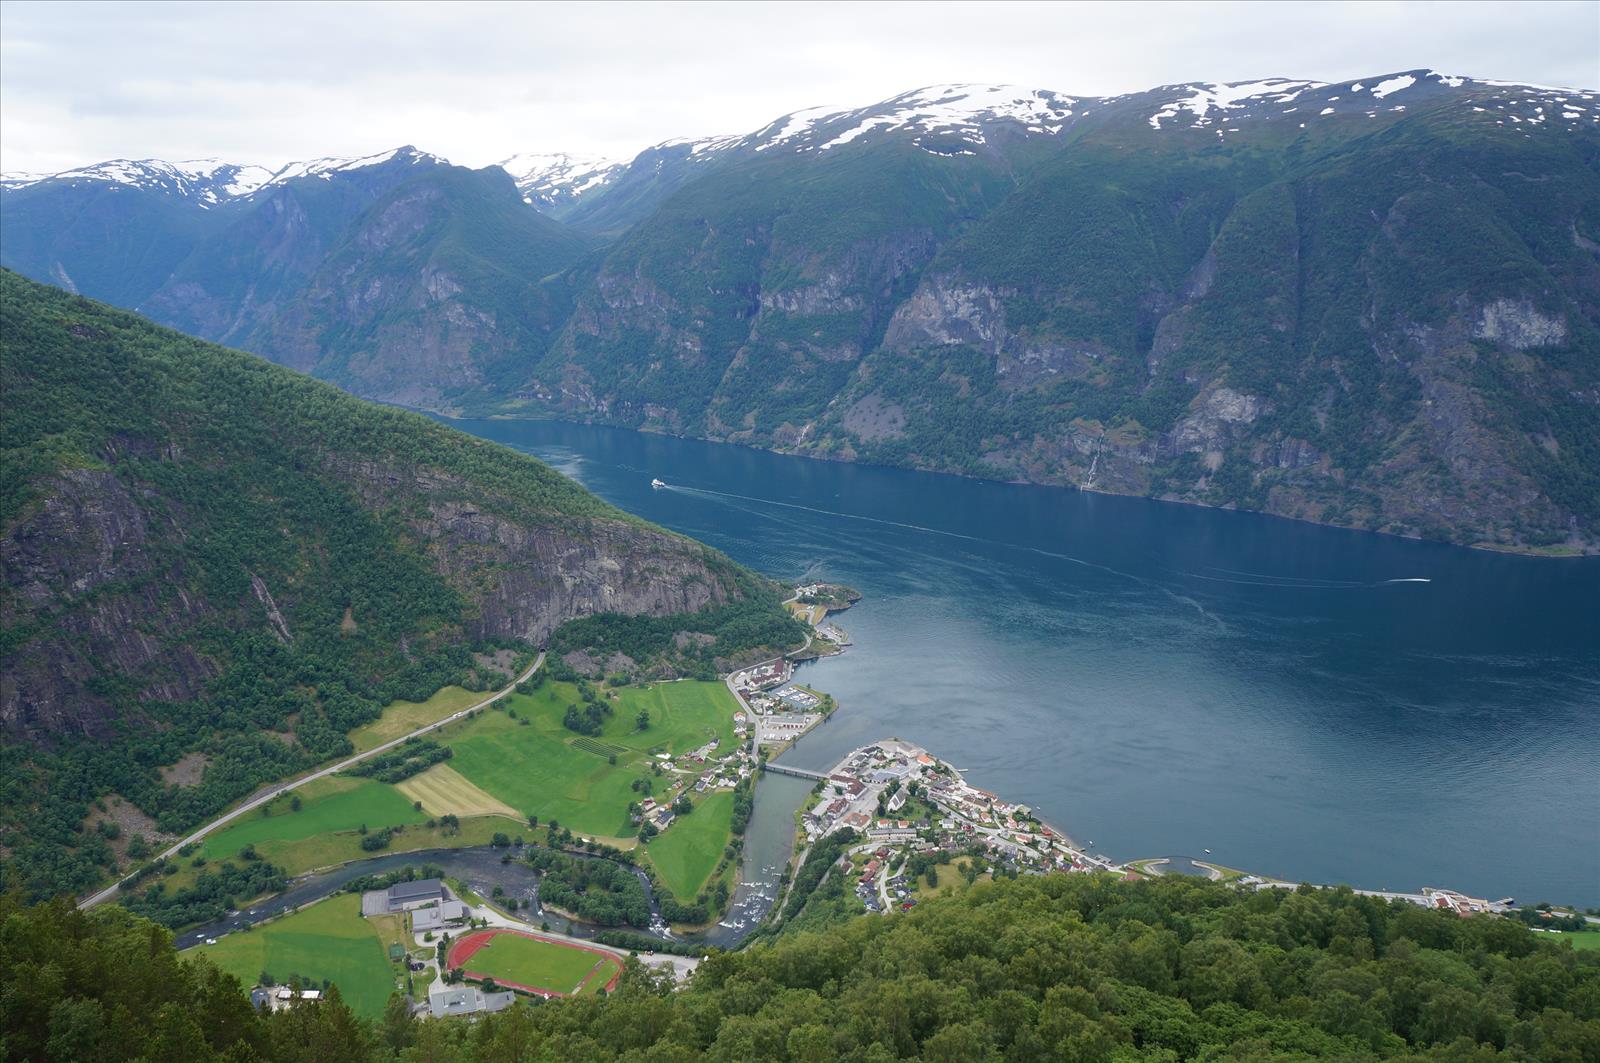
x=658 y=483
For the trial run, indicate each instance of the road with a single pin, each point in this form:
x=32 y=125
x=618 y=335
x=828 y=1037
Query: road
x=272 y=793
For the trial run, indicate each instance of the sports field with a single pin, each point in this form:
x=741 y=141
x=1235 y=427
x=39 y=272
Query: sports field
x=686 y=853
x=327 y=940
x=547 y=966
x=443 y=791
x=336 y=803
x=544 y=769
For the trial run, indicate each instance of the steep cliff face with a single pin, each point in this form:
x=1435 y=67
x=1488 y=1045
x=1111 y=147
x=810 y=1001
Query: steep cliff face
x=110 y=597
x=172 y=505
x=522 y=579
x=427 y=293
x=1375 y=303
x=201 y=553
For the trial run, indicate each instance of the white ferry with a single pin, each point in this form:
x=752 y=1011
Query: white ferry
x=658 y=484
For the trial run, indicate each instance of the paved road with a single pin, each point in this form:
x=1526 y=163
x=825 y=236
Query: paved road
x=274 y=792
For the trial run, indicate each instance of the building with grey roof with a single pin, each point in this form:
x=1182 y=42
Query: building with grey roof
x=466 y=1000
x=437 y=917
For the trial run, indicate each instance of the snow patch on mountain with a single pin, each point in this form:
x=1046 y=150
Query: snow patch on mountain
x=550 y=178
x=211 y=181
x=962 y=113
x=1211 y=104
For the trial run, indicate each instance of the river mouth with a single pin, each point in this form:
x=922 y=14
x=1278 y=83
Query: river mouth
x=1161 y=677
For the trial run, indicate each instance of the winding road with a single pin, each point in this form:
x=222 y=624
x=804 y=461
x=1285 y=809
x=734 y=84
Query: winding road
x=277 y=790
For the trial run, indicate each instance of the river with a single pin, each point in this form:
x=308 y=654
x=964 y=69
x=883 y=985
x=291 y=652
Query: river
x=1307 y=702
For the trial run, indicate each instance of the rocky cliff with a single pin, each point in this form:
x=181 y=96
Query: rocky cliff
x=204 y=553
x=1373 y=303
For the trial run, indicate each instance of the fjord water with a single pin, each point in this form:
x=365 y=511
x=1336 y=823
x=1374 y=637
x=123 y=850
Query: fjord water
x=1164 y=679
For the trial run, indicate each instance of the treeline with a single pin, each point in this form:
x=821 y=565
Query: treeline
x=1074 y=967
x=597 y=891
x=410 y=758
x=213 y=895
x=383 y=882
x=818 y=862
x=743 y=803
x=758 y=622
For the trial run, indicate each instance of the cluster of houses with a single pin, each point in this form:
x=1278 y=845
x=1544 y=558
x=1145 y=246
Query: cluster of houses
x=764 y=676
x=866 y=790
x=700 y=771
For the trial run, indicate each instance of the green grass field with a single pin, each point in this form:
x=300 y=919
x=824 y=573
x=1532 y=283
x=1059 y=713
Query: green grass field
x=327 y=940
x=686 y=853
x=546 y=770
x=951 y=880
x=1583 y=940
x=338 y=803
x=403 y=717
x=541 y=964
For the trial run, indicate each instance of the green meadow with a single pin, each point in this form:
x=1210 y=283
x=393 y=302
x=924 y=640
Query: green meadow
x=1583 y=940
x=538 y=767
x=337 y=803
x=543 y=769
x=327 y=940
x=686 y=853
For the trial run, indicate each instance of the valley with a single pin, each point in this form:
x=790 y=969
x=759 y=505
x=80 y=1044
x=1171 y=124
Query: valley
x=1345 y=303
x=1035 y=558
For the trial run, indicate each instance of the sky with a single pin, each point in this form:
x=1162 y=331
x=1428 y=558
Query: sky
x=270 y=83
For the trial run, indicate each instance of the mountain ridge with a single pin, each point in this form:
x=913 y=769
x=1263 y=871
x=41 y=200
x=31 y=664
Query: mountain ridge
x=1257 y=294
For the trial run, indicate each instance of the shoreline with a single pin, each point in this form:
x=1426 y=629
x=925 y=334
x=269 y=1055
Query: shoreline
x=1590 y=551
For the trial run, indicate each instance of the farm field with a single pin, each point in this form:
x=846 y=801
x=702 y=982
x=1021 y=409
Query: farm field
x=403 y=717
x=327 y=940
x=325 y=850
x=686 y=854
x=544 y=769
x=443 y=791
x=513 y=958
x=337 y=803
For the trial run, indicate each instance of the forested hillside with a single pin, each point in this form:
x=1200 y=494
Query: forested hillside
x=1373 y=303
x=1064 y=967
x=214 y=568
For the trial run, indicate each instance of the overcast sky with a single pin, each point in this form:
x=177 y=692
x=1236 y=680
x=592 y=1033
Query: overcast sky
x=273 y=82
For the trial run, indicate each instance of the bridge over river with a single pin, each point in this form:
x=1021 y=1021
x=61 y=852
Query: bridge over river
x=801 y=773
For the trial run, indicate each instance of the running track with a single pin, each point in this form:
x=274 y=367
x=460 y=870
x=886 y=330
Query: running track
x=463 y=949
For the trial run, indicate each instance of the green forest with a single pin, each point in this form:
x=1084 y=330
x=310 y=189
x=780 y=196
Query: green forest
x=212 y=557
x=1069 y=967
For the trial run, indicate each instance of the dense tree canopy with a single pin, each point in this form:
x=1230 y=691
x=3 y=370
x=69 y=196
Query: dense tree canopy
x=1057 y=967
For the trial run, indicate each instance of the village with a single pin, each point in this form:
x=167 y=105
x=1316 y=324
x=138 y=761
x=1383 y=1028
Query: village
x=905 y=802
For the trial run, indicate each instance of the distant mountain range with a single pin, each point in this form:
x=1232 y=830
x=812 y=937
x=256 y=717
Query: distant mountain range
x=1373 y=303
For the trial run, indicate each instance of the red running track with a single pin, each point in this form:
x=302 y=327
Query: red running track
x=463 y=949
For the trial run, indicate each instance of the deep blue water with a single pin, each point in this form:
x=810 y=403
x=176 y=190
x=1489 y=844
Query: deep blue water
x=1163 y=679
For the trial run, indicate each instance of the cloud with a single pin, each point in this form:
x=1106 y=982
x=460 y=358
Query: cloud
x=475 y=82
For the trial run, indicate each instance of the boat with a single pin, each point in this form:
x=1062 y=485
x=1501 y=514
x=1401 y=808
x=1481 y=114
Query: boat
x=658 y=484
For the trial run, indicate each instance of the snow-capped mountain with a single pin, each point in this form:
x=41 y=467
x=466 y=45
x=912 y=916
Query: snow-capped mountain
x=208 y=180
x=961 y=119
x=555 y=179
x=1221 y=107
x=211 y=181
x=942 y=119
